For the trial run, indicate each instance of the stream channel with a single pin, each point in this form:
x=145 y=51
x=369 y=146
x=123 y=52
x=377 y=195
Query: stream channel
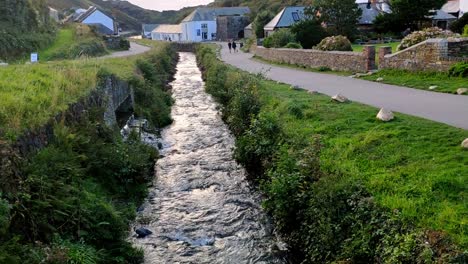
x=201 y=209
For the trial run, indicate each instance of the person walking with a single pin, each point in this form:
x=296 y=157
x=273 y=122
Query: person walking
x=234 y=46
x=230 y=46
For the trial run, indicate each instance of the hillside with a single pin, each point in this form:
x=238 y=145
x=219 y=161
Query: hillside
x=256 y=5
x=127 y=14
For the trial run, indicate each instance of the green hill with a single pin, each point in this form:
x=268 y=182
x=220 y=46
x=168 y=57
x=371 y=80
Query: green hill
x=129 y=16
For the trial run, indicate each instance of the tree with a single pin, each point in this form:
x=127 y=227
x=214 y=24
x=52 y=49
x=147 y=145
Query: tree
x=309 y=32
x=341 y=16
x=411 y=13
x=260 y=21
x=460 y=24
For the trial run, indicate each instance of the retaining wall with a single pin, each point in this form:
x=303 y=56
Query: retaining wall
x=335 y=60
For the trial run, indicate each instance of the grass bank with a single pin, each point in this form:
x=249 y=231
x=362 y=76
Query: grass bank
x=73 y=201
x=340 y=185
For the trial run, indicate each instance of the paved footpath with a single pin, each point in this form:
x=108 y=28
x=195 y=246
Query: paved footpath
x=135 y=49
x=444 y=108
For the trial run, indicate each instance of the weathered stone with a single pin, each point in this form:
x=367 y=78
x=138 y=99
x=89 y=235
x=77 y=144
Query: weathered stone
x=433 y=87
x=385 y=115
x=380 y=79
x=340 y=98
x=143 y=232
x=465 y=144
x=461 y=91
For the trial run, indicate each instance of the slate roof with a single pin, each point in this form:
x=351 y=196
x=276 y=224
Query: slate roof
x=89 y=12
x=441 y=15
x=285 y=17
x=149 y=27
x=168 y=29
x=210 y=14
x=369 y=13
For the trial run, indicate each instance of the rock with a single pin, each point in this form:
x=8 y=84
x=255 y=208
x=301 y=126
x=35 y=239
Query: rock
x=312 y=92
x=370 y=73
x=461 y=91
x=340 y=98
x=352 y=76
x=385 y=115
x=359 y=75
x=433 y=87
x=465 y=144
x=143 y=232
x=380 y=79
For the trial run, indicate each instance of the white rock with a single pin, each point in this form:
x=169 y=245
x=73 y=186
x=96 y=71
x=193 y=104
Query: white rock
x=433 y=87
x=380 y=79
x=461 y=91
x=464 y=144
x=385 y=115
x=340 y=98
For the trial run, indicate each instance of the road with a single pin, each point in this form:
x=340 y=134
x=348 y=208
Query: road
x=444 y=108
x=135 y=49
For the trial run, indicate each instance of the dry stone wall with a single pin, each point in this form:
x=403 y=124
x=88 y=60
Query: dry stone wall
x=430 y=55
x=335 y=60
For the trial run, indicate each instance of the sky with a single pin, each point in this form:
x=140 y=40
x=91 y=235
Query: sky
x=161 y=5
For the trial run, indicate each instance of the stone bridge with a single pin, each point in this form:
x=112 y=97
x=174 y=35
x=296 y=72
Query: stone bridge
x=118 y=97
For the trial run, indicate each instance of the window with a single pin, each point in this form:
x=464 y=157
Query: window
x=295 y=16
x=198 y=32
x=204 y=26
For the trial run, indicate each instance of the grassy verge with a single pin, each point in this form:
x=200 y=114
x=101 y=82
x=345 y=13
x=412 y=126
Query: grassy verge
x=73 y=201
x=394 y=45
x=340 y=185
x=421 y=80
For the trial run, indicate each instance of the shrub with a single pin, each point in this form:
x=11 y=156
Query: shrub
x=459 y=69
x=465 y=31
x=308 y=32
x=260 y=21
x=293 y=45
x=279 y=39
x=86 y=48
x=459 y=25
x=338 y=43
x=420 y=36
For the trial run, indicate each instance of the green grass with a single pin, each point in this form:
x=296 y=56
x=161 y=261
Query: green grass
x=420 y=80
x=32 y=94
x=411 y=165
x=359 y=48
x=65 y=38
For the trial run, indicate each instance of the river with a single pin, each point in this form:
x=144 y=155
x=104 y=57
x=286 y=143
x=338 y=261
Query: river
x=201 y=208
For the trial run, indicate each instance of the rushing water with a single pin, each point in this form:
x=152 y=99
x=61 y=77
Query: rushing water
x=201 y=209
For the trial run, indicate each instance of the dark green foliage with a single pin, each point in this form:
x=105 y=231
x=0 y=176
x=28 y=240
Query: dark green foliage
x=389 y=23
x=86 y=48
x=260 y=21
x=459 y=70
x=341 y=16
x=293 y=45
x=309 y=32
x=279 y=39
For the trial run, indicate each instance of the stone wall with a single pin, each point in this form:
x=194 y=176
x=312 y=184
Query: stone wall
x=430 y=55
x=335 y=60
x=231 y=27
x=184 y=47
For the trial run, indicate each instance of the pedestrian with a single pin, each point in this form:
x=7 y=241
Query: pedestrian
x=230 y=46
x=234 y=46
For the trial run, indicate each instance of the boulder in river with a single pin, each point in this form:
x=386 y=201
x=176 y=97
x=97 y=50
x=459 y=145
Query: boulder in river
x=385 y=115
x=340 y=98
x=143 y=232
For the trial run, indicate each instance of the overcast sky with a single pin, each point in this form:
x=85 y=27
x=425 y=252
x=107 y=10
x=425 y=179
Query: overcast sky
x=168 y=4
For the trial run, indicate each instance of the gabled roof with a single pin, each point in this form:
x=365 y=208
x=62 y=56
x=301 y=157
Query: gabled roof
x=149 y=27
x=210 y=14
x=250 y=26
x=168 y=29
x=441 y=15
x=369 y=13
x=285 y=17
x=88 y=13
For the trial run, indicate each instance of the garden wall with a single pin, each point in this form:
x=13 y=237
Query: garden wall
x=335 y=60
x=430 y=55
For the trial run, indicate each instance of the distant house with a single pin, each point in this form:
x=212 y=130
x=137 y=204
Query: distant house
x=442 y=19
x=201 y=24
x=104 y=23
x=285 y=19
x=146 y=30
x=248 y=31
x=370 y=10
x=456 y=7
x=167 y=33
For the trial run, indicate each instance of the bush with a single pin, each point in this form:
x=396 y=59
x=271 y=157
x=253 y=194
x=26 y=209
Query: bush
x=337 y=43
x=279 y=39
x=465 y=31
x=459 y=25
x=420 y=36
x=459 y=69
x=293 y=45
x=308 y=32
x=86 y=48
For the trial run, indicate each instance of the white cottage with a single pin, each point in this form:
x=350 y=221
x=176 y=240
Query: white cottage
x=104 y=23
x=201 y=24
x=167 y=33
